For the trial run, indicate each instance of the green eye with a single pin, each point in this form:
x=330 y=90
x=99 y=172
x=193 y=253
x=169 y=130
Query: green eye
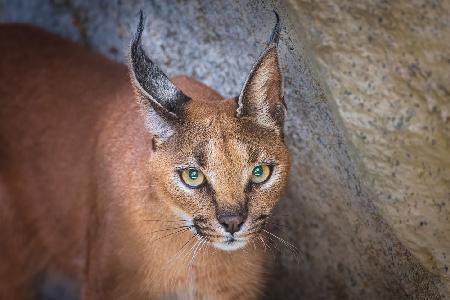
x=192 y=177
x=193 y=174
x=260 y=173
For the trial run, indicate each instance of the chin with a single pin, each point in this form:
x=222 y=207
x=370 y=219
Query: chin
x=230 y=245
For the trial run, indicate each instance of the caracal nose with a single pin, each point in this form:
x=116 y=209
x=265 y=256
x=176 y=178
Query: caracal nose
x=231 y=222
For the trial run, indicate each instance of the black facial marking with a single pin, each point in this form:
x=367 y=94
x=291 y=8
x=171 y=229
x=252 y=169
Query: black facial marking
x=244 y=206
x=252 y=154
x=198 y=229
x=200 y=155
x=199 y=225
x=261 y=218
x=200 y=220
x=248 y=187
x=154 y=144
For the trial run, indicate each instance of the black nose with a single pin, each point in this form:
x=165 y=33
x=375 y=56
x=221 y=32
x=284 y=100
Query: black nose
x=231 y=222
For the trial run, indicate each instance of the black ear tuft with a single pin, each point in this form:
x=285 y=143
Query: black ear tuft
x=162 y=102
x=151 y=83
x=275 y=36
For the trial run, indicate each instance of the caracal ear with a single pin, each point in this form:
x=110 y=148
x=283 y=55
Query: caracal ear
x=162 y=102
x=261 y=99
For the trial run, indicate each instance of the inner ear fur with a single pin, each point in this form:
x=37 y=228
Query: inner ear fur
x=261 y=98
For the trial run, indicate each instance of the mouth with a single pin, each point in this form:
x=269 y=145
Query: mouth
x=224 y=241
x=230 y=244
x=221 y=242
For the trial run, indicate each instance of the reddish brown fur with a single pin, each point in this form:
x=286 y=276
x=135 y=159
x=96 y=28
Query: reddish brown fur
x=79 y=190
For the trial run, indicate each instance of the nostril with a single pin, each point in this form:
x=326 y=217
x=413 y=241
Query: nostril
x=231 y=223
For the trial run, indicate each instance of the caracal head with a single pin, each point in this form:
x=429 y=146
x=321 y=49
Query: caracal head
x=219 y=165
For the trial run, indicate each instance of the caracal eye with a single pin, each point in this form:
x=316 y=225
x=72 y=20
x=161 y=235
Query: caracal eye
x=260 y=173
x=192 y=177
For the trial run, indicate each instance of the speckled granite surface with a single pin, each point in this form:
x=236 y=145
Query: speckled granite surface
x=387 y=65
x=357 y=243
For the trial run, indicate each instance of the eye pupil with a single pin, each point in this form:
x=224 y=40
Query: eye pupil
x=258 y=171
x=193 y=174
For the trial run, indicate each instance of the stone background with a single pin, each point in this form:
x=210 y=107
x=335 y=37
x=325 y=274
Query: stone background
x=367 y=87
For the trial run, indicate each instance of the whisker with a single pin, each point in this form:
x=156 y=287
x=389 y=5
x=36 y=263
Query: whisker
x=206 y=253
x=274 y=244
x=170 y=234
x=253 y=244
x=283 y=241
x=196 y=242
x=170 y=228
x=264 y=243
x=268 y=247
x=180 y=251
x=290 y=246
x=196 y=246
x=165 y=221
x=198 y=249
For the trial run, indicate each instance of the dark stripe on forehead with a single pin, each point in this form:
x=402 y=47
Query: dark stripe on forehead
x=200 y=154
x=212 y=193
x=253 y=154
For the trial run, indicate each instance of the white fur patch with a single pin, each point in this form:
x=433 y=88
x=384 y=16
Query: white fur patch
x=157 y=125
x=237 y=243
x=230 y=246
x=184 y=216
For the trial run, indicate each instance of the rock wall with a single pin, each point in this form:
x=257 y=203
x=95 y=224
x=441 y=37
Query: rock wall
x=368 y=126
x=387 y=65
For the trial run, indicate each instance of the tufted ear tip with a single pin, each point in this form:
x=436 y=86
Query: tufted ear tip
x=261 y=98
x=275 y=36
x=140 y=27
x=162 y=101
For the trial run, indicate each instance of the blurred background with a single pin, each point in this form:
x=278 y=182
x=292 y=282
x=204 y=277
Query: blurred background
x=367 y=85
